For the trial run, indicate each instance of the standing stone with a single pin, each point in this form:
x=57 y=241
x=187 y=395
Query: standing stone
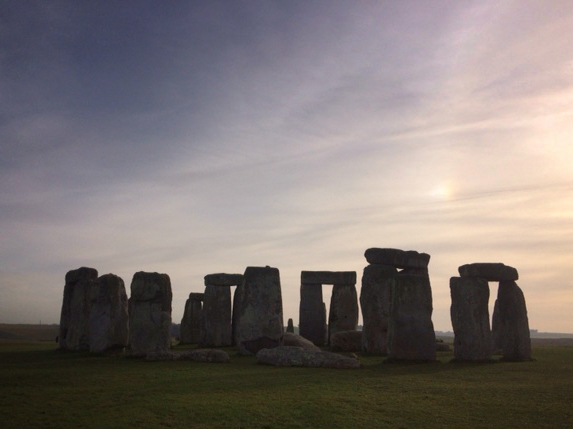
x=343 y=315
x=109 y=319
x=470 y=318
x=513 y=324
x=216 y=317
x=411 y=331
x=290 y=326
x=312 y=314
x=190 y=331
x=150 y=313
x=75 y=315
x=495 y=330
x=236 y=311
x=375 y=300
x=260 y=311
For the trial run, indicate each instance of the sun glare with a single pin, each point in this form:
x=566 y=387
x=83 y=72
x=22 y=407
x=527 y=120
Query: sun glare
x=443 y=192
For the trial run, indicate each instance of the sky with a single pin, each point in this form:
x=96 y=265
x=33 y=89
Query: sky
x=197 y=137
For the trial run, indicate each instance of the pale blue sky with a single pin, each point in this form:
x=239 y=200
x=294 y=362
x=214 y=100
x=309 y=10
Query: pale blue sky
x=197 y=137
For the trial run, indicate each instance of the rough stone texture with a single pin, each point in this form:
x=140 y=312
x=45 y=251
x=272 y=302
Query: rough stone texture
x=411 y=331
x=290 y=326
x=290 y=339
x=493 y=272
x=343 y=315
x=346 y=341
x=260 y=311
x=74 y=318
x=375 y=299
x=297 y=356
x=513 y=329
x=328 y=277
x=190 y=331
x=109 y=318
x=397 y=258
x=216 y=317
x=470 y=318
x=222 y=279
x=312 y=314
x=495 y=330
x=199 y=355
x=149 y=313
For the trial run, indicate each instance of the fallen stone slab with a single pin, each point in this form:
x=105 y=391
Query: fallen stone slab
x=346 y=341
x=491 y=271
x=199 y=355
x=328 y=277
x=297 y=356
x=401 y=259
x=291 y=339
x=222 y=279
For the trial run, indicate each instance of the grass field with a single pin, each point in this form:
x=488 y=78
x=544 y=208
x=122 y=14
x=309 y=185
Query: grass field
x=41 y=387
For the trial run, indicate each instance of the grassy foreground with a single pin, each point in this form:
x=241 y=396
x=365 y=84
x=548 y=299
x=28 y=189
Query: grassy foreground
x=41 y=387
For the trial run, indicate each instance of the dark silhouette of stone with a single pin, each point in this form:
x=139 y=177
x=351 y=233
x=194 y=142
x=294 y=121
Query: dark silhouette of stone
x=411 y=331
x=375 y=300
x=346 y=341
x=259 y=322
x=397 y=258
x=75 y=315
x=328 y=277
x=312 y=314
x=297 y=356
x=343 y=315
x=236 y=311
x=495 y=330
x=489 y=271
x=222 y=279
x=109 y=318
x=150 y=313
x=470 y=318
x=290 y=326
x=216 y=317
x=190 y=330
x=513 y=324
x=290 y=339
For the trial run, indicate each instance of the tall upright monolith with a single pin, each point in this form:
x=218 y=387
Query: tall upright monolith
x=470 y=318
x=75 y=314
x=216 y=317
x=312 y=314
x=513 y=323
x=150 y=313
x=343 y=314
x=259 y=316
x=190 y=331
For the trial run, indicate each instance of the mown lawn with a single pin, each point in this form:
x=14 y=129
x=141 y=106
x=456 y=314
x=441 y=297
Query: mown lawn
x=41 y=387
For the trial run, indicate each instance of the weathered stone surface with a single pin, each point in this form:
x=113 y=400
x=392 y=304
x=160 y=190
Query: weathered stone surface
x=411 y=331
x=222 y=279
x=346 y=341
x=199 y=355
x=328 y=277
x=397 y=258
x=312 y=314
x=290 y=339
x=491 y=271
x=290 y=326
x=109 y=319
x=190 y=330
x=260 y=311
x=216 y=317
x=150 y=313
x=495 y=330
x=513 y=324
x=375 y=300
x=470 y=318
x=297 y=356
x=343 y=315
x=74 y=318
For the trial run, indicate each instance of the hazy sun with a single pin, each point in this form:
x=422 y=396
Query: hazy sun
x=443 y=192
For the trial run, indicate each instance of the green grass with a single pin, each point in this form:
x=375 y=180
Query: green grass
x=44 y=388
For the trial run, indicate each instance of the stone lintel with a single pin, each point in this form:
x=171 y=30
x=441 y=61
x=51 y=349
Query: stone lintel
x=397 y=258
x=490 y=271
x=222 y=279
x=328 y=277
